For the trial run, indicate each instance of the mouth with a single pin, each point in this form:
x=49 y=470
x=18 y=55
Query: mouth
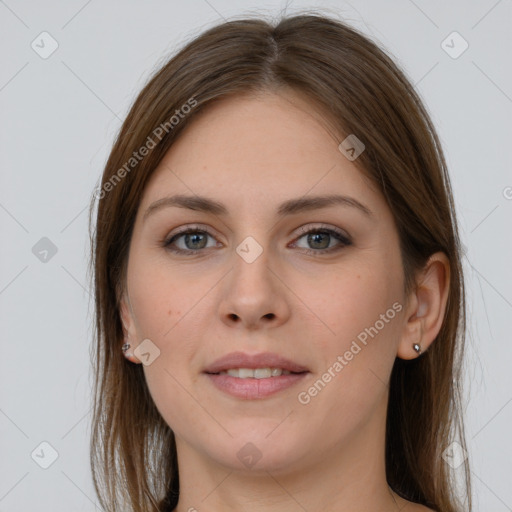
x=254 y=376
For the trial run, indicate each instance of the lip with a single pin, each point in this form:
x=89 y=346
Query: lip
x=253 y=361
x=253 y=389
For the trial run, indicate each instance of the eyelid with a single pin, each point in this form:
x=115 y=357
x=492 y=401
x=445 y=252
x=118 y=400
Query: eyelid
x=191 y=227
x=307 y=228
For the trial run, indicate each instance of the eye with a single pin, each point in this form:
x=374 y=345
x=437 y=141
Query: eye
x=320 y=239
x=191 y=240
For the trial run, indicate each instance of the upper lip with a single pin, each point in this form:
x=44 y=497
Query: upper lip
x=263 y=360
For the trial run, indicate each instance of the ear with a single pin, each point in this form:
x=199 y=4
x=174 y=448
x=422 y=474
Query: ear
x=426 y=307
x=129 y=327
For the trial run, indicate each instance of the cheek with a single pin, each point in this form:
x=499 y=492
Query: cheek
x=168 y=305
x=153 y=307
x=161 y=297
x=352 y=299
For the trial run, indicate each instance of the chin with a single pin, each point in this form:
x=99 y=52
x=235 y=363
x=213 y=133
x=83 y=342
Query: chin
x=256 y=451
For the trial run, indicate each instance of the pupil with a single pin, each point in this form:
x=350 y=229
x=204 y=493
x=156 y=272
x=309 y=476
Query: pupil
x=313 y=238
x=195 y=237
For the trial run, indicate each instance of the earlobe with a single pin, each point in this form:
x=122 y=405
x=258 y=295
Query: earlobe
x=427 y=306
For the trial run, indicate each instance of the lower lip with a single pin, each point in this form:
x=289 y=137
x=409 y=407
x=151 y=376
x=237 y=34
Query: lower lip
x=251 y=389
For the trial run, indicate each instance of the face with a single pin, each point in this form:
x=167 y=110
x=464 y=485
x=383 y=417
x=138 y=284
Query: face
x=305 y=296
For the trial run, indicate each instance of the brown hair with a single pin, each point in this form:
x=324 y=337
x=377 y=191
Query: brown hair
x=133 y=454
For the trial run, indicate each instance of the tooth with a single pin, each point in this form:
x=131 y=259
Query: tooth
x=262 y=373
x=257 y=373
x=245 y=373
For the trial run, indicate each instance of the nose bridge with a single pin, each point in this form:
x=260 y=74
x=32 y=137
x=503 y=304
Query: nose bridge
x=252 y=293
x=250 y=277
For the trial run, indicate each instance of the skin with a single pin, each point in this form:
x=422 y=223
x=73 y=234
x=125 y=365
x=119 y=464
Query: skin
x=252 y=153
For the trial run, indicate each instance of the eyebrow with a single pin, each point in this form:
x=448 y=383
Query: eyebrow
x=289 y=207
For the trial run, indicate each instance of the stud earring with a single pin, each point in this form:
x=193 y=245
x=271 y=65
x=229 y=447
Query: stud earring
x=124 y=348
x=417 y=347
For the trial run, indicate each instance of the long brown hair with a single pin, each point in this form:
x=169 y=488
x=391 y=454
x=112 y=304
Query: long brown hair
x=341 y=71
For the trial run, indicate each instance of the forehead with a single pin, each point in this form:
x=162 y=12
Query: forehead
x=283 y=127
x=247 y=149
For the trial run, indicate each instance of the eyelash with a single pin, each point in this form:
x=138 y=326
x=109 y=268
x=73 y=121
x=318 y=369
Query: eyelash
x=345 y=241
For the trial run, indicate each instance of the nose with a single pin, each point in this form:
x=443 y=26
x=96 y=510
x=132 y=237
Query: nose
x=254 y=295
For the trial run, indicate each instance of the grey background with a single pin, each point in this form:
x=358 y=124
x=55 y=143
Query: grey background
x=59 y=118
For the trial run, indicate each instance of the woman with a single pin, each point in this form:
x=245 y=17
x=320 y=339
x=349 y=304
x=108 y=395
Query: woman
x=276 y=256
